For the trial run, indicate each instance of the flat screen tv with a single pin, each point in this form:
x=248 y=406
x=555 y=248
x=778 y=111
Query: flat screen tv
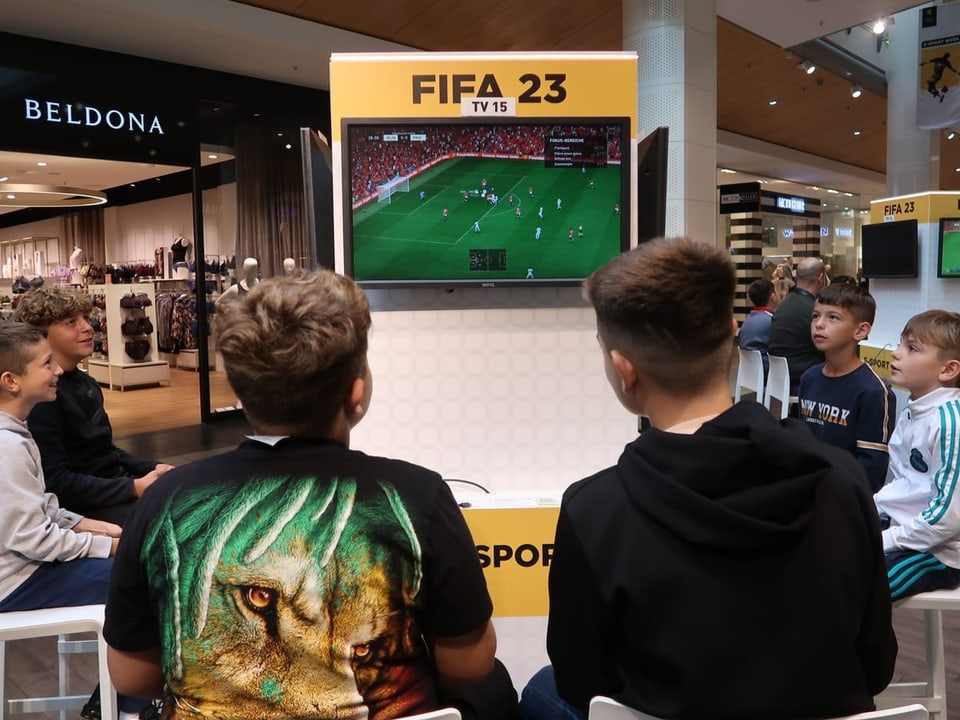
x=948 y=248
x=889 y=250
x=484 y=202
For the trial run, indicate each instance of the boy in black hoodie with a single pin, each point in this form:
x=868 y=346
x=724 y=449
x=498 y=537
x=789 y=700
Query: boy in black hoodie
x=727 y=566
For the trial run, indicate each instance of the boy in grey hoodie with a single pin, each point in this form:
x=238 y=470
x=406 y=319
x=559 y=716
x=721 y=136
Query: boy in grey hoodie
x=49 y=557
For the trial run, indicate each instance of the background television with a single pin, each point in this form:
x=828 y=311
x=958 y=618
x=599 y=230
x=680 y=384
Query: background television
x=652 y=184
x=889 y=250
x=948 y=248
x=414 y=190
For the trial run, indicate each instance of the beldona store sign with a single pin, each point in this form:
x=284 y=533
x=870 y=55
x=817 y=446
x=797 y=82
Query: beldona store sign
x=51 y=111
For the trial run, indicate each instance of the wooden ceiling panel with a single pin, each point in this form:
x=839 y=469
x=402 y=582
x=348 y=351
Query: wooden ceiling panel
x=814 y=113
x=492 y=25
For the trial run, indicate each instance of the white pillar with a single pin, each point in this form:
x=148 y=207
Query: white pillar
x=912 y=154
x=676 y=43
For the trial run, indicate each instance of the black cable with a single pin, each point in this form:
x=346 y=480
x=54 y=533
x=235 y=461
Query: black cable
x=467 y=482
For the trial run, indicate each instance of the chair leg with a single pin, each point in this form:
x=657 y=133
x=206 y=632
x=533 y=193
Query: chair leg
x=108 y=693
x=3 y=680
x=62 y=672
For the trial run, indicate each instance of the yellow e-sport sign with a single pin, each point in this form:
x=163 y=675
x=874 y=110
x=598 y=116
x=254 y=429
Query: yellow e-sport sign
x=514 y=547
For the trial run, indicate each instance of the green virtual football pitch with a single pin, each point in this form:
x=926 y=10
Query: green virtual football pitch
x=950 y=254
x=443 y=236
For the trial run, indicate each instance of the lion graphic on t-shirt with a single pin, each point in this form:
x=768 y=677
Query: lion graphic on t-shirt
x=288 y=597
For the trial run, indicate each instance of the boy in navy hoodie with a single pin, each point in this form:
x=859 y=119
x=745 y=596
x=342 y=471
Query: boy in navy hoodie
x=727 y=566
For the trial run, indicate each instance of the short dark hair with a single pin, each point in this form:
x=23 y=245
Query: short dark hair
x=760 y=291
x=852 y=298
x=293 y=346
x=16 y=345
x=668 y=305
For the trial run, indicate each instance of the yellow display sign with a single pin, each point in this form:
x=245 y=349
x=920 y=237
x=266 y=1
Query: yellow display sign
x=926 y=207
x=515 y=546
x=489 y=85
x=880 y=359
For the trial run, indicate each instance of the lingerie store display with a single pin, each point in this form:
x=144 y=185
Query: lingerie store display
x=132 y=358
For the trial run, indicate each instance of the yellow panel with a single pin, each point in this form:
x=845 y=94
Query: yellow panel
x=435 y=85
x=926 y=207
x=879 y=358
x=514 y=546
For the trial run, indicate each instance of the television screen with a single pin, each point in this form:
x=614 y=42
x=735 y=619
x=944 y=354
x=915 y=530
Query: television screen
x=948 y=253
x=652 y=184
x=484 y=203
x=889 y=250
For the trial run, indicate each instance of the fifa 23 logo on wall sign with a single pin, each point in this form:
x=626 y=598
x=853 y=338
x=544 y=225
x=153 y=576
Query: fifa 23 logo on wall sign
x=89 y=116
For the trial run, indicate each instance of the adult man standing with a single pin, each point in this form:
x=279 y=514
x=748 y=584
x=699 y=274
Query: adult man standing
x=790 y=328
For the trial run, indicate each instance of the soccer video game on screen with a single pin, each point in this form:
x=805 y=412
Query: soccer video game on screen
x=485 y=202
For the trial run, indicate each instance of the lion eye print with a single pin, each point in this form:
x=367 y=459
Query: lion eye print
x=260 y=599
x=361 y=652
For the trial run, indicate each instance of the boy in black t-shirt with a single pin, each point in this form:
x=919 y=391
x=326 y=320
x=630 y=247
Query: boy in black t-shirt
x=294 y=577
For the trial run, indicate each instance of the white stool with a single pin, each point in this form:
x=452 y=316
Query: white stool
x=45 y=623
x=932 y=693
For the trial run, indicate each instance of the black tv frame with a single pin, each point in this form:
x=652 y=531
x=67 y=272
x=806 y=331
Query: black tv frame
x=913 y=270
x=626 y=168
x=941 y=273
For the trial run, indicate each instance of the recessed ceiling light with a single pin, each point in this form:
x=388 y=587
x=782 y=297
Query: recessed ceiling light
x=772 y=101
x=11 y=197
x=858 y=133
x=279 y=134
x=956 y=169
x=41 y=164
x=211 y=156
x=4 y=178
x=832 y=191
x=728 y=171
x=951 y=135
x=288 y=146
x=133 y=184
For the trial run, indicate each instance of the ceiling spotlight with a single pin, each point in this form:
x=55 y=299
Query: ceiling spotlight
x=728 y=171
x=856 y=91
x=879 y=26
x=41 y=164
x=211 y=156
x=772 y=101
x=808 y=67
x=4 y=178
x=951 y=135
x=858 y=133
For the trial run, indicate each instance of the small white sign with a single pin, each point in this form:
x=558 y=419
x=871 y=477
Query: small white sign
x=488 y=106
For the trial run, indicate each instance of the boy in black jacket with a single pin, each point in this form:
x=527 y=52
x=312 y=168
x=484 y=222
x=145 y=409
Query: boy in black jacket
x=87 y=472
x=727 y=566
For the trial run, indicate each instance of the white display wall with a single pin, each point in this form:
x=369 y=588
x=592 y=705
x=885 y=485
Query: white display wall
x=511 y=398
x=133 y=232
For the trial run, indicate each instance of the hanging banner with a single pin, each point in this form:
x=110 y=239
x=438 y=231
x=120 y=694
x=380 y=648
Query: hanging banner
x=938 y=91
